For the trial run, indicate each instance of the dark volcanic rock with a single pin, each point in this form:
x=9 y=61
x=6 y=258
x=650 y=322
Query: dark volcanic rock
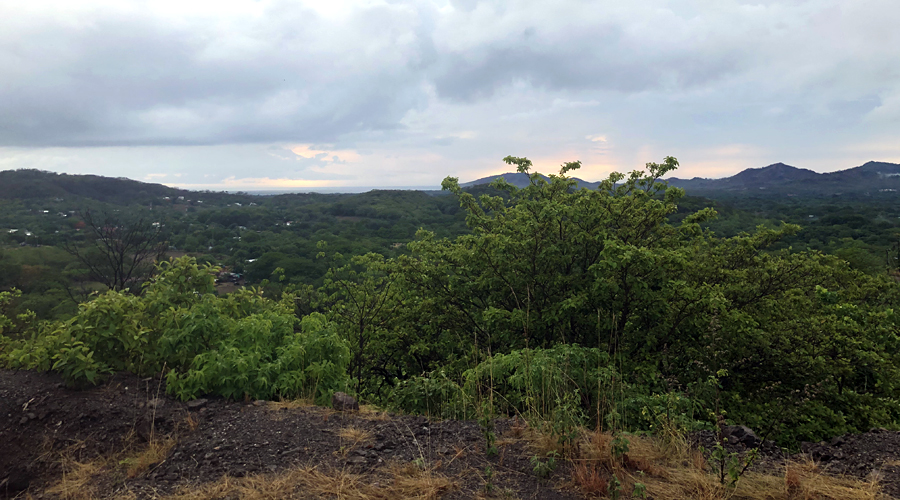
x=740 y=434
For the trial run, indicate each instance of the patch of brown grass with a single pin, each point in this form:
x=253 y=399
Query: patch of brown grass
x=353 y=437
x=309 y=482
x=596 y=446
x=372 y=412
x=191 y=422
x=791 y=482
x=517 y=429
x=543 y=443
x=78 y=479
x=411 y=481
x=290 y=404
x=281 y=409
x=804 y=480
x=155 y=452
x=81 y=479
x=801 y=481
x=672 y=470
x=590 y=479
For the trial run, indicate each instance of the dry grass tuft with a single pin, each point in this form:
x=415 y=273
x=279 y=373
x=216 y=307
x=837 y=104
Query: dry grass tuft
x=156 y=451
x=282 y=409
x=590 y=479
x=372 y=412
x=411 y=481
x=804 y=480
x=801 y=481
x=353 y=437
x=672 y=470
x=191 y=422
x=791 y=482
x=596 y=446
x=291 y=404
x=517 y=429
x=309 y=482
x=542 y=443
x=78 y=479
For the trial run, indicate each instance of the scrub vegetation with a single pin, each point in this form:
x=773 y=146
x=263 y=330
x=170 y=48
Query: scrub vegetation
x=612 y=309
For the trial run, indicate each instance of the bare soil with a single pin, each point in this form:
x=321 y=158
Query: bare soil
x=42 y=420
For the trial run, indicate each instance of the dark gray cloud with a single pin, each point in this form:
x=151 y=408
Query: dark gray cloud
x=415 y=89
x=124 y=80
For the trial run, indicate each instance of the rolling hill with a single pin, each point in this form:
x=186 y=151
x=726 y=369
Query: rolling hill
x=777 y=179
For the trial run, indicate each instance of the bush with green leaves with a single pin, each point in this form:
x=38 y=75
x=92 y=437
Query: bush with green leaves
x=12 y=323
x=806 y=341
x=434 y=394
x=239 y=345
x=542 y=382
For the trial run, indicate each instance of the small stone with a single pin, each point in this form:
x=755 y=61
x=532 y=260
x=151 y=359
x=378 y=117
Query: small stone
x=196 y=404
x=356 y=460
x=344 y=402
x=740 y=434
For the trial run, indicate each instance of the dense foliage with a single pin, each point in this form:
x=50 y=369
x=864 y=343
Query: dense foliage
x=607 y=306
x=240 y=345
x=796 y=338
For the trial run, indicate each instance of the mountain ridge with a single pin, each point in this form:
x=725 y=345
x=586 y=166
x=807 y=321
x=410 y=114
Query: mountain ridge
x=778 y=178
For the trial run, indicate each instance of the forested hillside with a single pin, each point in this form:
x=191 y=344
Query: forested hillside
x=613 y=306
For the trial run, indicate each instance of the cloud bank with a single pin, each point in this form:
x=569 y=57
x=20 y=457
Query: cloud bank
x=407 y=92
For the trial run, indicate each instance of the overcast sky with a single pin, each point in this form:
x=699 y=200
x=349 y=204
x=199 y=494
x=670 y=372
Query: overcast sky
x=276 y=94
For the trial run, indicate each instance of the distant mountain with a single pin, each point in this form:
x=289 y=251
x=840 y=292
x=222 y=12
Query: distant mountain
x=521 y=180
x=26 y=183
x=777 y=179
x=781 y=179
x=774 y=175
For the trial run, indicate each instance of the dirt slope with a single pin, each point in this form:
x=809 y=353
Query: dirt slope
x=42 y=421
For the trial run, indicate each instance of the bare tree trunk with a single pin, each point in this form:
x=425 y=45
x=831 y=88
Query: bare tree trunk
x=121 y=254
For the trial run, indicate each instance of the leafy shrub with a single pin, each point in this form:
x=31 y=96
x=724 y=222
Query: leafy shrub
x=434 y=394
x=549 y=385
x=260 y=356
x=241 y=345
x=541 y=382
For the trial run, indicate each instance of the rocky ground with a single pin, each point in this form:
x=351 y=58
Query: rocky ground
x=42 y=422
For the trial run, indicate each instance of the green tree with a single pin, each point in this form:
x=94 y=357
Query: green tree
x=673 y=304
